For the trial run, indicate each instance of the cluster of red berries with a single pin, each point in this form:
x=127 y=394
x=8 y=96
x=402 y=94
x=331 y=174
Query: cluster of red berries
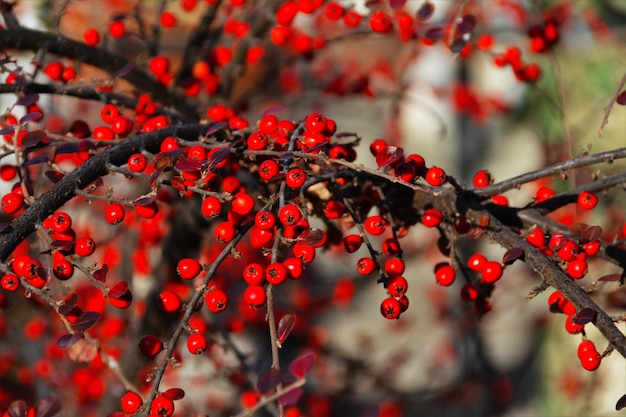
x=56 y=71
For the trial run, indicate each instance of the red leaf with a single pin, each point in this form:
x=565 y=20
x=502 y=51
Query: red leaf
x=47 y=407
x=86 y=321
x=67 y=340
x=397 y=4
x=178 y=184
x=592 y=233
x=268 y=381
x=584 y=316
x=301 y=365
x=119 y=290
x=188 y=165
x=150 y=345
x=174 y=394
x=390 y=155
x=285 y=326
x=291 y=397
x=218 y=156
x=621 y=98
x=101 y=275
x=610 y=278
x=274 y=109
x=312 y=236
x=512 y=255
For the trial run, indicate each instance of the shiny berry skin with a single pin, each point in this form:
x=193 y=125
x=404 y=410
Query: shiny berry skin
x=109 y=112
x=290 y=215
x=294 y=267
x=482 y=178
x=276 y=273
x=571 y=327
x=543 y=193
x=159 y=65
x=491 y=271
x=114 y=213
x=117 y=29
x=390 y=308
x=435 y=176
x=254 y=274
x=169 y=301
x=91 y=37
x=147 y=211
x=352 y=19
x=391 y=247
x=12 y=203
x=375 y=225
x=295 y=178
x=257 y=141
x=590 y=359
x=225 y=232
x=432 y=217
x=445 y=274
x=333 y=11
x=216 y=300
x=334 y=209
x=568 y=251
x=196 y=343
x=188 y=268
x=352 y=243
x=536 y=237
x=377 y=146
x=265 y=220
x=469 y=292
x=137 y=162
x=268 y=169
x=243 y=204
x=587 y=200
x=131 y=402
x=306 y=253
x=54 y=70
x=63 y=270
x=167 y=19
x=84 y=246
x=365 y=266
x=394 y=267
x=577 y=268
x=61 y=222
x=380 y=22
x=10 y=282
x=397 y=286
x=211 y=207
x=162 y=406
x=254 y=296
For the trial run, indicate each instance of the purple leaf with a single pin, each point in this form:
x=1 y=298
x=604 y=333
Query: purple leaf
x=621 y=98
x=425 y=11
x=54 y=176
x=39 y=159
x=67 y=148
x=101 y=275
x=434 y=34
x=68 y=304
x=215 y=128
x=86 y=321
x=301 y=365
x=290 y=397
x=28 y=100
x=312 y=236
x=610 y=278
x=285 y=326
x=584 y=316
x=285 y=156
x=9 y=130
x=34 y=116
x=178 y=184
x=592 y=233
x=47 y=407
x=67 y=340
x=268 y=381
x=621 y=403
x=119 y=290
x=17 y=408
x=188 y=165
x=144 y=201
x=458 y=45
x=218 y=156
x=274 y=109
x=467 y=25
x=388 y=156
x=124 y=70
x=512 y=255
x=174 y=394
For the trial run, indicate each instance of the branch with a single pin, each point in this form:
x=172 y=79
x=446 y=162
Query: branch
x=609 y=107
x=34 y=40
x=81 y=177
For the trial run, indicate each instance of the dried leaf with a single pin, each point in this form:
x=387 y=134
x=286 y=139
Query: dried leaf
x=47 y=407
x=68 y=304
x=218 y=156
x=150 y=345
x=165 y=160
x=512 y=255
x=592 y=233
x=178 y=184
x=584 y=316
x=268 y=381
x=82 y=351
x=67 y=340
x=285 y=326
x=31 y=117
x=301 y=365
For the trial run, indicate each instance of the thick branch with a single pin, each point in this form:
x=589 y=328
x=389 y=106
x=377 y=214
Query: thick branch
x=33 y=40
x=81 y=177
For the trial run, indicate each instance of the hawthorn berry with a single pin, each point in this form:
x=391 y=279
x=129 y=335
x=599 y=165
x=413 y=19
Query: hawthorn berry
x=11 y=203
x=131 y=402
x=257 y=141
x=491 y=271
x=196 y=343
x=254 y=296
x=333 y=11
x=397 y=286
x=167 y=19
x=445 y=274
x=435 y=176
x=268 y=169
x=9 y=282
x=380 y=22
x=577 y=268
x=162 y=406
x=587 y=200
x=169 y=301
x=352 y=18
x=91 y=37
x=543 y=193
x=295 y=178
x=254 y=274
x=432 y=217
x=391 y=247
x=536 y=237
x=365 y=266
x=265 y=220
x=216 y=300
x=390 y=308
x=188 y=268
x=352 y=243
x=243 y=204
x=54 y=70
x=147 y=209
x=211 y=207
x=276 y=273
x=394 y=267
x=375 y=225
x=84 y=246
x=294 y=267
x=588 y=355
x=114 y=213
x=482 y=178
x=225 y=232
x=306 y=253
x=137 y=162
x=117 y=29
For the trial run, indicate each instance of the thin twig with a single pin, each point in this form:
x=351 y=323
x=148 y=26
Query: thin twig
x=609 y=106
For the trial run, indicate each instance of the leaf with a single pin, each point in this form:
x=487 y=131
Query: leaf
x=397 y=4
x=39 y=159
x=67 y=340
x=621 y=98
x=610 y=278
x=621 y=403
x=301 y=365
x=435 y=33
x=34 y=116
x=119 y=290
x=150 y=345
x=268 y=381
x=584 y=316
x=512 y=255
x=174 y=394
x=86 y=321
x=47 y=407
x=425 y=11
x=312 y=236
x=178 y=184
x=188 y=165
x=285 y=326
x=592 y=233
x=9 y=130
x=458 y=45
x=285 y=156
x=165 y=160
x=83 y=351
x=54 y=176
x=218 y=156
x=467 y=25
x=123 y=71
x=215 y=128
x=67 y=148
x=274 y=109
x=17 y=408
x=28 y=100
x=388 y=156
x=101 y=275
x=290 y=397
x=144 y=201
x=68 y=304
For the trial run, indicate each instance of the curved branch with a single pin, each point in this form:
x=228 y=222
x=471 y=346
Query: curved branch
x=34 y=40
x=81 y=177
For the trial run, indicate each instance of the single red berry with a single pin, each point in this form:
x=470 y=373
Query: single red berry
x=216 y=300
x=211 y=207
x=397 y=286
x=268 y=169
x=147 y=210
x=390 y=308
x=61 y=222
x=375 y=225
x=587 y=200
x=536 y=237
x=306 y=253
x=333 y=11
x=254 y=296
x=196 y=343
x=568 y=251
x=500 y=200
x=435 y=176
x=162 y=406
x=114 y=213
x=352 y=243
x=334 y=209
x=543 y=193
x=54 y=70
x=491 y=271
x=225 y=232
x=276 y=273
x=365 y=266
x=445 y=274
x=590 y=359
x=577 y=268
x=137 y=162
x=117 y=29
x=315 y=123
x=377 y=146
x=482 y=178
x=352 y=18
x=10 y=282
x=265 y=220
x=12 y=203
x=571 y=327
x=295 y=178
x=394 y=267
x=432 y=217
x=469 y=292
x=254 y=274
x=188 y=268
x=294 y=267
x=131 y=402
x=84 y=246
x=169 y=301
x=243 y=204
x=257 y=141
x=290 y=215
x=380 y=22
x=91 y=37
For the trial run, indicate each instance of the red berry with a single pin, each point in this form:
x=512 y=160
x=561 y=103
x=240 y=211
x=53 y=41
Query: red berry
x=432 y=217
x=117 y=29
x=380 y=22
x=577 y=268
x=11 y=203
x=543 y=193
x=390 y=308
x=131 y=402
x=290 y=215
x=397 y=286
x=10 y=282
x=295 y=178
x=196 y=343
x=365 y=266
x=482 y=178
x=162 y=406
x=54 y=70
x=167 y=19
x=435 y=176
x=445 y=274
x=91 y=37
x=334 y=209
x=84 y=246
x=114 y=213
x=137 y=162
x=352 y=243
x=294 y=267
x=188 y=268
x=268 y=169
x=587 y=200
x=536 y=237
x=216 y=300
x=243 y=204
x=211 y=207
x=265 y=220
x=590 y=359
x=254 y=274
x=315 y=123
x=225 y=232
x=276 y=273
x=394 y=267
x=491 y=271
x=375 y=225
x=254 y=296
x=352 y=19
